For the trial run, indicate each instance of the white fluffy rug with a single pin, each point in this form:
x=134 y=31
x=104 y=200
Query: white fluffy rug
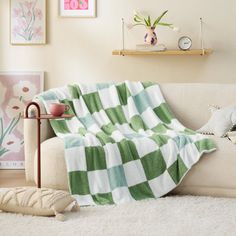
x=166 y=216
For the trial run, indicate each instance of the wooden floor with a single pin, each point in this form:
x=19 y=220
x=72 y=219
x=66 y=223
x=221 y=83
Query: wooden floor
x=13 y=178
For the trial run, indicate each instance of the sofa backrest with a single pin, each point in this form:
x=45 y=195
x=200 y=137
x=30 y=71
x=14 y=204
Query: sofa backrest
x=189 y=101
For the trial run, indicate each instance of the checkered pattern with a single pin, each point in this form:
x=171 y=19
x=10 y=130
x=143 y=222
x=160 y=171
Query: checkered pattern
x=123 y=143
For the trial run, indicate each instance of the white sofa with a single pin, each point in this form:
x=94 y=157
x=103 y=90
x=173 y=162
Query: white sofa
x=214 y=174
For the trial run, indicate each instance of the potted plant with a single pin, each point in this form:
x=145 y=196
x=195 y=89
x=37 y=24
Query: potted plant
x=150 y=36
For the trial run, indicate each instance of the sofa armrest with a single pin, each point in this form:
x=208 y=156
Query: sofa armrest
x=30 y=140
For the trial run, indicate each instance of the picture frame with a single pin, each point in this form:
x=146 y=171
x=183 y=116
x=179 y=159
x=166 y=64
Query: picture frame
x=28 y=22
x=77 y=8
x=17 y=89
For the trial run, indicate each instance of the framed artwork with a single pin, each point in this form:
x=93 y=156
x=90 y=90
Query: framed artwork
x=16 y=90
x=77 y=8
x=28 y=22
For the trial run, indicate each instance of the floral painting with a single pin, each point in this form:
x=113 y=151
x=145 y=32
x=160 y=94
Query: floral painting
x=16 y=90
x=28 y=19
x=78 y=8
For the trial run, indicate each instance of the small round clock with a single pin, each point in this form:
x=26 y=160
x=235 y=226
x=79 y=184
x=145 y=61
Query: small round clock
x=185 y=43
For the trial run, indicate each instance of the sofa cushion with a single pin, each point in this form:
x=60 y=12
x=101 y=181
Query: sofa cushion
x=214 y=170
x=53 y=166
x=190 y=101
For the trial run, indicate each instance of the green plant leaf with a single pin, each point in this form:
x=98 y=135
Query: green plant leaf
x=149 y=21
x=159 y=18
x=139 y=24
x=137 y=19
x=165 y=24
x=146 y=22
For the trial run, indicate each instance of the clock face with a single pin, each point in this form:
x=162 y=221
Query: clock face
x=185 y=43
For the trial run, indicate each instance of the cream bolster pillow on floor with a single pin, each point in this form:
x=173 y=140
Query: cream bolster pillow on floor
x=221 y=122
x=36 y=201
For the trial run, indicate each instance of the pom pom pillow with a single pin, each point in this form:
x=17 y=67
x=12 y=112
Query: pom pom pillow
x=221 y=122
x=36 y=201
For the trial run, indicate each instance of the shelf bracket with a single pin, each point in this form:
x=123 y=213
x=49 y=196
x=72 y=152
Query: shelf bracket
x=123 y=35
x=201 y=36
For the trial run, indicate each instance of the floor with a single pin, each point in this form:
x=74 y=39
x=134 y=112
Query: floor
x=168 y=216
x=173 y=215
x=13 y=178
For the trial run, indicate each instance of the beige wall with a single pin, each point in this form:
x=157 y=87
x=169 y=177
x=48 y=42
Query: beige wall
x=79 y=50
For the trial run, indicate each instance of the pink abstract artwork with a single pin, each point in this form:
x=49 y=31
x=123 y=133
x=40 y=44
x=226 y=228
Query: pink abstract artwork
x=28 y=21
x=78 y=8
x=76 y=4
x=16 y=90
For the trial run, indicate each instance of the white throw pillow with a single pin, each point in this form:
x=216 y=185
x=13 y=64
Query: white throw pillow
x=221 y=122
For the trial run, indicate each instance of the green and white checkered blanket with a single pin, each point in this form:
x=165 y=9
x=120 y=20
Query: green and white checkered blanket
x=123 y=143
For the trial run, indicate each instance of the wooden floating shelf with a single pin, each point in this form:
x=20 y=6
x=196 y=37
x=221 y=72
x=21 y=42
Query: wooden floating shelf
x=167 y=52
